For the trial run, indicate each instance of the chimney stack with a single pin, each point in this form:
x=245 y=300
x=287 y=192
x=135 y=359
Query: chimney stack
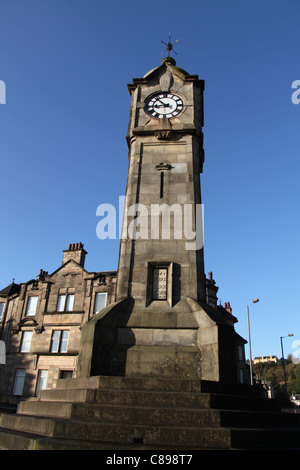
x=42 y=274
x=75 y=252
x=227 y=307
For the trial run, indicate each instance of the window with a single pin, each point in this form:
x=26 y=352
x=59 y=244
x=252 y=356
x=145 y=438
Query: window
x=59 y=341
x=2 y=353
x=240 y=353
x=66 y=374
x=42 y=380
x=26 y=341
x=1 y=310
x=31 y=306
x=100 y=301
x=19 y=382
x=65 y=303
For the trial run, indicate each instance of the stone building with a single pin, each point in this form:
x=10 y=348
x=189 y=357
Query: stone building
x=41 y=323
x=157 y=314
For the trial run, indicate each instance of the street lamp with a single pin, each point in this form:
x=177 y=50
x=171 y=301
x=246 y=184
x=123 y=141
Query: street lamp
x=285 y=385
x=254 y=301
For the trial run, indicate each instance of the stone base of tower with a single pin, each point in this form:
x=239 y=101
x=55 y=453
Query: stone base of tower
x=143 y=413
x=189 y=340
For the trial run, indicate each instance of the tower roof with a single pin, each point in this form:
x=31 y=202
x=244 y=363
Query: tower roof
x=167 y=62
x=10 y=290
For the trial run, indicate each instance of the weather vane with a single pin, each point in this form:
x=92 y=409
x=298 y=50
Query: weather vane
x=169 y=45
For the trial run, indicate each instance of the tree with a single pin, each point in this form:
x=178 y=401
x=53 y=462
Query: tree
x=273 y=372
x=297 y=383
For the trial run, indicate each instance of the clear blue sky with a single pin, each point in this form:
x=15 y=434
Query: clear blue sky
x=66 y=65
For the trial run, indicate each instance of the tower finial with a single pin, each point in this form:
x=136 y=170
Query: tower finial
x=169 y=45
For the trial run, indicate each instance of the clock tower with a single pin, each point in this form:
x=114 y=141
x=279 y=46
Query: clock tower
x=163 y=199
x=161 y=323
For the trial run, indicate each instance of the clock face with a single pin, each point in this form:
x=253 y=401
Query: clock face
x=164 y=105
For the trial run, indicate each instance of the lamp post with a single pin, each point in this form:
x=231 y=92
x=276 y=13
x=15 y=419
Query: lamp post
x=285 y=384
x=254 y=301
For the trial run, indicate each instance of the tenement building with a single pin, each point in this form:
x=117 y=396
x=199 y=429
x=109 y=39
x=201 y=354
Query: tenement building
x=41 y=323
x=157 y=315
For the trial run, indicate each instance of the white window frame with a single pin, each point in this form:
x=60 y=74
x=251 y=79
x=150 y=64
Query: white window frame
x=65 y=302
x=31 y=310
x=105 y=301
x=59 y=341
x=26 y=341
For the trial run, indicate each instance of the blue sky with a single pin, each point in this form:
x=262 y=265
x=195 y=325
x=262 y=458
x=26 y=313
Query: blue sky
x=66 y=65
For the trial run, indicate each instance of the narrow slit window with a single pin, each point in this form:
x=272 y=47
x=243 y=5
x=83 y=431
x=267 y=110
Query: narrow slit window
x=162 y=176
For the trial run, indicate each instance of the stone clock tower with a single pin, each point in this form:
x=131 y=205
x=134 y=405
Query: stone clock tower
x=163 y=189
x=160 y=324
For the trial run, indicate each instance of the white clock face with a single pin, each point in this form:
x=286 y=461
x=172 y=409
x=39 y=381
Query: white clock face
x=164 y=105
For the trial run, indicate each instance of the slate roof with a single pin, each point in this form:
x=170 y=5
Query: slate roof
x=10 y=290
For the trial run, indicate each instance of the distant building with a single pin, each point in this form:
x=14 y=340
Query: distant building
x=258 y=359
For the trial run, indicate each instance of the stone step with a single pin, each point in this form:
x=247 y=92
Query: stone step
x=190 y=439
x=204 y=437
x=156 y=415
x=46 y=409
x=32 y=424
x=125 y=397
x=131 y=383
x=116 y=432
x=66 y=395
x=183 y=416
x=122 y=414
x=17 y=440
x=161 y=398
x=157 y=399
x=158 y=384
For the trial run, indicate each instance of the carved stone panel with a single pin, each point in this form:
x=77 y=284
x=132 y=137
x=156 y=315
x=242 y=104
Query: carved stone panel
x=160 y=282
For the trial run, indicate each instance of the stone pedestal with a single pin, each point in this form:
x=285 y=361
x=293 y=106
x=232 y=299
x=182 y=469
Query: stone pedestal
x=185 y=341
